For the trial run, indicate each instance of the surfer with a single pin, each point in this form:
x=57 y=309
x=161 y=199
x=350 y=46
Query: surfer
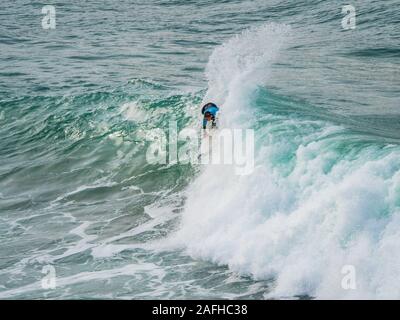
x=209 y=111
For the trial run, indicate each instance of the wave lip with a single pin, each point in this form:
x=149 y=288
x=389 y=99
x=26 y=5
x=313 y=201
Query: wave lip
x=238 y=66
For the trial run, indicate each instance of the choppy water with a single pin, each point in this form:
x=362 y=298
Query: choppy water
x=77 y=193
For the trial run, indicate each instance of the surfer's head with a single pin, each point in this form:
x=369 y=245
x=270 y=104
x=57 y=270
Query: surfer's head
x=210 y=104
x=207 y=115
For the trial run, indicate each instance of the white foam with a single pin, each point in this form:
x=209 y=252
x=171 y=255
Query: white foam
x=132 y=270
x=133 y=111
x=239 y=65
x=300 y=226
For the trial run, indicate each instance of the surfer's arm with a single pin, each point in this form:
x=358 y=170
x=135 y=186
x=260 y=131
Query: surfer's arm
x=204 y=123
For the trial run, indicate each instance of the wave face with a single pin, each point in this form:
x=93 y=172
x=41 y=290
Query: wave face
x=76 y=191
x=320 y=199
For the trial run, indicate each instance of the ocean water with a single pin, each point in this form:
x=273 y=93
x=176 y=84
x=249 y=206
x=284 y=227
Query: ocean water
x=78 y=196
